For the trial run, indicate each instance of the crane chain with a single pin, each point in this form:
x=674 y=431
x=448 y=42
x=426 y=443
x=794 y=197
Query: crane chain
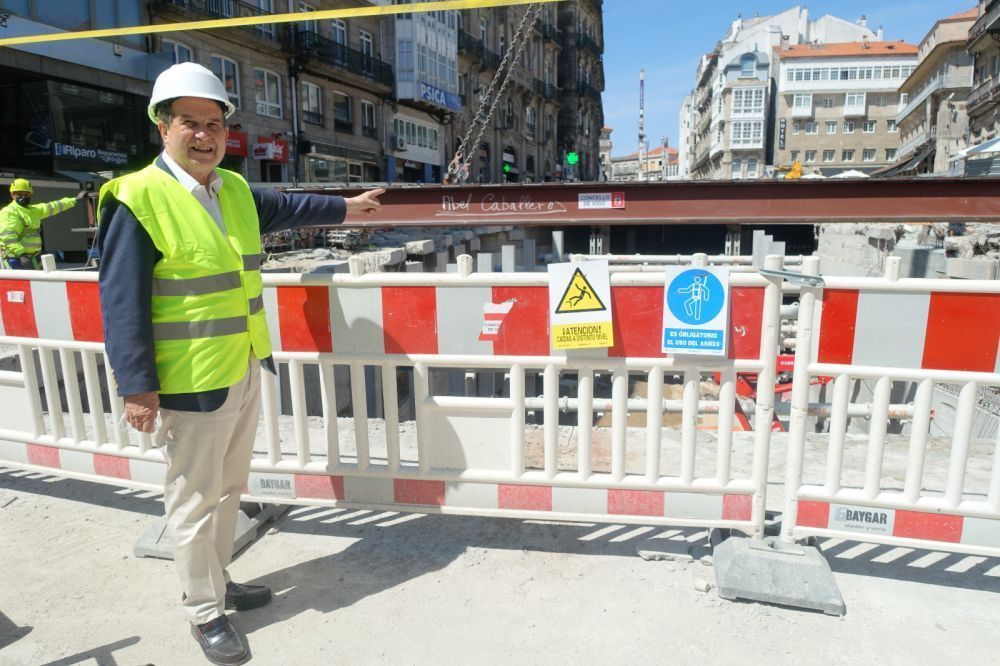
x=458 y=168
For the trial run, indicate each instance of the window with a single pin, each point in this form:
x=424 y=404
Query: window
x=342 y=117
x=855 y=99
x=178 y=51
x=752 y=167
x=367 y=45
x=848 y=126
x=881 y=100
x=482 y=31
x=309 y=26
x=796 y=127
x=748 y=66
x=747 y=133
x=748 y=101
x=812 y=127
x=368 y=126
x=847 y=155
x=810 y=156
x=529 y=120
x=827 y=102
x=868 y=155
x=831 y=127
x=904 y=99
x=312 y=103
x=267 y=92
x=868 y=127
x=828 y=155
x=229 y=72
x=890 y=154
x=802 y=101
x=795 y=156
x=338 y=30
x=890 y=126
x=737 y=168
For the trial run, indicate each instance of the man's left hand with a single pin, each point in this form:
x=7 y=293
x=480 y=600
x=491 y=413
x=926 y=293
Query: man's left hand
x=366 y=202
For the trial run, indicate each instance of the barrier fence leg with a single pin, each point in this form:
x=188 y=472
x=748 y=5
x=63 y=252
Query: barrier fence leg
x=772 y=569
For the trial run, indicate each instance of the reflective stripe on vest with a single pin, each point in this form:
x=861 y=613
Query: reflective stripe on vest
x=207 y=304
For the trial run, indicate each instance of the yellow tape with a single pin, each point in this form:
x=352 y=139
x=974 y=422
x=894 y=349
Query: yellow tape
x=385 y=10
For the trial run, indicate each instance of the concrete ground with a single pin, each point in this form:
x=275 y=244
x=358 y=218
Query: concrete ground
x=358 y=587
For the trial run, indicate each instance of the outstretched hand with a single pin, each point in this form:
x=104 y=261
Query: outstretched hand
x=366 y=202
x=81 y=195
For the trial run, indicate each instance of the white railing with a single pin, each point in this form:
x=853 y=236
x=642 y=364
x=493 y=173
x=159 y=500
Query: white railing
x=916 y=510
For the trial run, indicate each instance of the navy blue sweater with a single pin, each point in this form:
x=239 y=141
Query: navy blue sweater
x=126 y=285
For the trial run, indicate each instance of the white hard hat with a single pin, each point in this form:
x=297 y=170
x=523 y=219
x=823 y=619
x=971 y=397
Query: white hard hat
x=188 y=79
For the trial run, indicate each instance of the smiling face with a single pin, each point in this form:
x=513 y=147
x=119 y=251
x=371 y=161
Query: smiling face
x=196 y=136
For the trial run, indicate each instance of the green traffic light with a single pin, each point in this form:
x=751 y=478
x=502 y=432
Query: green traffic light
x=572 y=158
x=506 y=168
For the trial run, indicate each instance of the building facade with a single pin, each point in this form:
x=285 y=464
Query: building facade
x=658 y=164
x=933 y=124
x=367 y=99
x=729 y=130
x=983 y=104
x=837 y=103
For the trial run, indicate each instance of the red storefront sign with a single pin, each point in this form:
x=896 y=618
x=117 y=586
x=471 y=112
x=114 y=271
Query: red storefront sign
x=236 y=143
x=268 y=148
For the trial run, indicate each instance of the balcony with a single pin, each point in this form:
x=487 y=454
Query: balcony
x=855 y=110
x=223 y=9
x=981 y=95
x=313 y=118
x=587 y=42
x=590 y=91
x=370 y=132
x=550 y=32
x=310 y=46
x=802 y=111
x=989 y=22
x=936 y=84
x=538 y=87
x=551 y=91
x=917 y=139
x=469 y=45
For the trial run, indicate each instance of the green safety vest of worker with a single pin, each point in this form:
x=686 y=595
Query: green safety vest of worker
x=21 y=226
x=207 y=303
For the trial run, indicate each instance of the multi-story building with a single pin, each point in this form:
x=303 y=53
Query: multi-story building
x=519 y=141
x=933 y=124
x=606 y=145
x=983 y=104
x=685 y=120
x=730 y=132
x=837 y=104
x=581 y=77
x=76 y=106
x=658 y=164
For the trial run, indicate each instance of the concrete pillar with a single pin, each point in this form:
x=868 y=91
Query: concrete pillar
x=558 y=245
x=530 y=255
x=414 y=267
x=484 y=262
x=442 y=261
x=508 y=259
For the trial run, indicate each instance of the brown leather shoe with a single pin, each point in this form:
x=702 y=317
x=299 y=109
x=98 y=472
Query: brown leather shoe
x=220 y=642
x=246 y=597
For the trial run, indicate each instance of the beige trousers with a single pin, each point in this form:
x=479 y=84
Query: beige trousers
x=208 y=463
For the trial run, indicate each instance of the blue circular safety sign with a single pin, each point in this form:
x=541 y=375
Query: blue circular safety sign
x=695 y=297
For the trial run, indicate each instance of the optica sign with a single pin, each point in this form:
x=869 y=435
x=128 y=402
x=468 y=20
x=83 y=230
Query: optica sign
x=441 y=98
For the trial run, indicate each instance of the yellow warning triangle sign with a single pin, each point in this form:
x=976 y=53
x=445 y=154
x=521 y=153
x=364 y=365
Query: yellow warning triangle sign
x=579 y=296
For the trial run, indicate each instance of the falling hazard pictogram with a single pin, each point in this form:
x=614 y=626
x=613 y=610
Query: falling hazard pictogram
x=579 y=296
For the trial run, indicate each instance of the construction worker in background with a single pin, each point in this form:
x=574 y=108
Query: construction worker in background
x=185 y=332
x=21 y=224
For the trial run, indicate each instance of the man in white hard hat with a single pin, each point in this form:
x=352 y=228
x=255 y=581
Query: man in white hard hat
x=185 y=332
x=21 y=224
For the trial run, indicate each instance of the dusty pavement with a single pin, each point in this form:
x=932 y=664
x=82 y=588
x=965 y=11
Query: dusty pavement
x=356 y=587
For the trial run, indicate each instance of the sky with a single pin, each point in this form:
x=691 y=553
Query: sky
x=667 y=38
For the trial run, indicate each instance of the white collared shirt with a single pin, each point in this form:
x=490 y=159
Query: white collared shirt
x=206 y=196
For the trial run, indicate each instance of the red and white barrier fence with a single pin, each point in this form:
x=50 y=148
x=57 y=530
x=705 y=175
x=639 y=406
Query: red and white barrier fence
x=458 y=454
x=884 y=331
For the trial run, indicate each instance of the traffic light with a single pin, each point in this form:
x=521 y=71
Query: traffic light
x=572 y=158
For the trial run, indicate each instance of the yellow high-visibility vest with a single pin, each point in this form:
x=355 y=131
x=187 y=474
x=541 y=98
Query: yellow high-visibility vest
x=207 y=304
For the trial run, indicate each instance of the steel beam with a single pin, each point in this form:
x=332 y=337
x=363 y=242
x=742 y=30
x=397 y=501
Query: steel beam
x=897 y=200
